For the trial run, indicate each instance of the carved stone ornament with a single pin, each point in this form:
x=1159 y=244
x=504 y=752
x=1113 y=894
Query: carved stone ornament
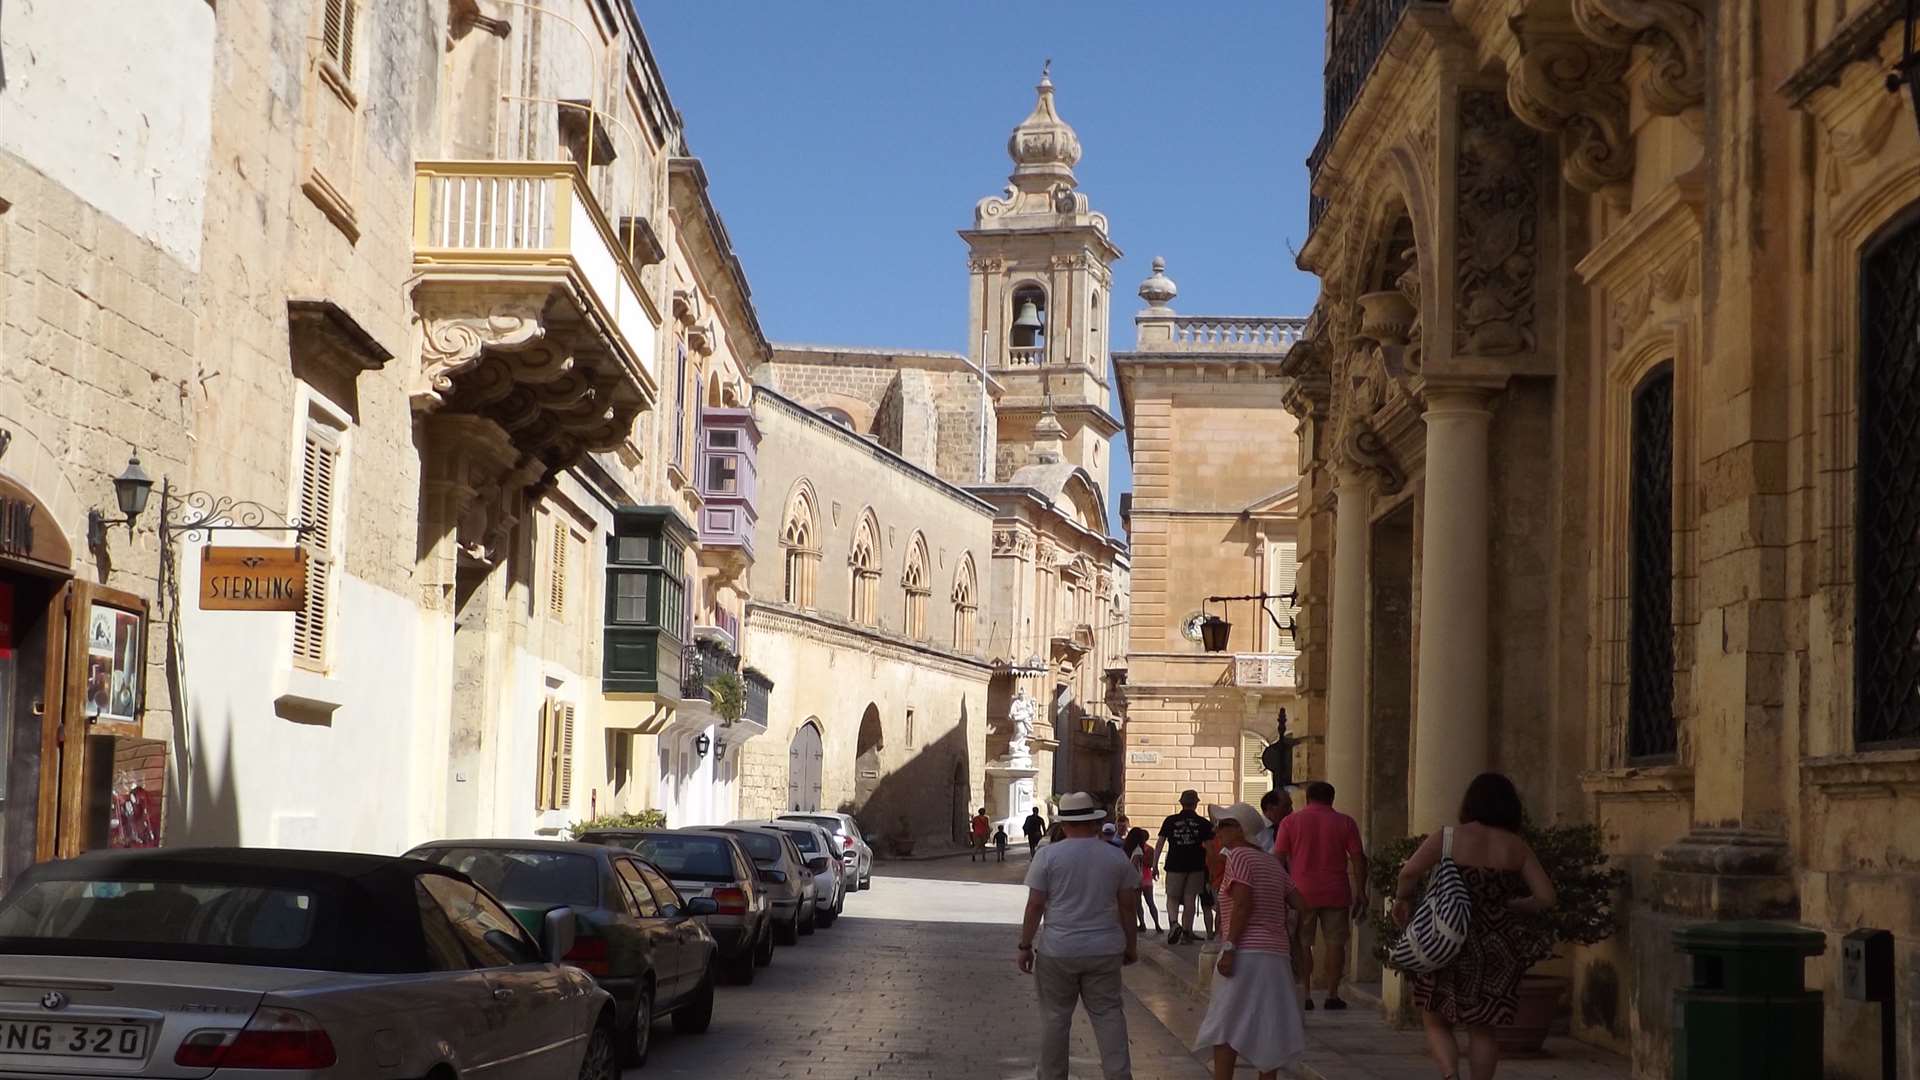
x=1671 y=282
x=1676 y=32
x=986 y=264
x=1567 y=82
x=453 y=342
x=1365 y=450
x=1496 y=229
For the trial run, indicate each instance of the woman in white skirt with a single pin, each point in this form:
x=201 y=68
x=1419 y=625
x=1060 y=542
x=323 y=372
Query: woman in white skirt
x=1254 y=1013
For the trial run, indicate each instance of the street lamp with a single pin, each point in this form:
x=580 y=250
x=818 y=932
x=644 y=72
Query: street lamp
x=702 y=744
x=1908 y=71
x=1214 y=632
x=130 y=491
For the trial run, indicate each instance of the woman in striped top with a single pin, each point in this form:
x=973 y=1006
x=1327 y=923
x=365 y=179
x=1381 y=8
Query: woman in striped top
x=1254 y=1012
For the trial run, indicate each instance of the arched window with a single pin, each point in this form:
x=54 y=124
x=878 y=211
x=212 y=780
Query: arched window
x=800 y=536
x=1650 y=728
x=966 y=605
x=1887 y=497
x=1027 y=326
x=914 y=580
x=864 y=558
x=838 y=416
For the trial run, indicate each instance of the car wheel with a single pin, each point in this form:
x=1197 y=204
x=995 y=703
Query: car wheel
x=763 y=954
x=639 y=1037
x=788 y=932
x=696 y=1013
x=741 y=964
x=808 y=924
x=598 y=1064
x=826 y=918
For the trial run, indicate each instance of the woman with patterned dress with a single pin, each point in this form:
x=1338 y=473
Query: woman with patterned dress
x=1479 y=989
x=1253 y=1014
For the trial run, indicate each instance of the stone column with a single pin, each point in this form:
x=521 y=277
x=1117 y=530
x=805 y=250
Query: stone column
x=1450 y=730
x=1347 y=659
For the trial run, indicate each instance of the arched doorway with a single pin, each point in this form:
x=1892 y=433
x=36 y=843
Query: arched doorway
x=866 y=761
x=803 y=768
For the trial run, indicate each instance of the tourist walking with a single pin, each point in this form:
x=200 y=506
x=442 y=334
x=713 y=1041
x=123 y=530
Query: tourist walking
x=1077 y=934
x=1252 y=1014
x=1274 y=807
x=1478 y=990
x=1322 y=850
x=1035 y=828
x=1000 y=842
x=977 y=836
x=1183 y=838
x=1140 y=852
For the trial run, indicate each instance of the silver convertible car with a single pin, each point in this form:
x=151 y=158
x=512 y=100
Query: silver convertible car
x=232 y=963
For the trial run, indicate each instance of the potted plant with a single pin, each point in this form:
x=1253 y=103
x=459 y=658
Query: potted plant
x=728 y=694
x=641 y=819
x=1576 y=862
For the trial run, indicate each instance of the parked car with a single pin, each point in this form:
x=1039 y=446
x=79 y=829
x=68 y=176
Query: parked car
x=788 y=879
x=854 y=849
x=314 y=965
x=716 y=866
x=829 y=876
x=633 y=933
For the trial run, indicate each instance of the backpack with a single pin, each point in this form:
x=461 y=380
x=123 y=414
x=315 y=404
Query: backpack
x=1439 y=926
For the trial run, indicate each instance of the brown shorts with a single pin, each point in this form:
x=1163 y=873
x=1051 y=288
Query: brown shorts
x=1334 y=924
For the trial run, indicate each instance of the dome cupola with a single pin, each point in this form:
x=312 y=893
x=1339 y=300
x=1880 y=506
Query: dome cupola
x=1044 y=147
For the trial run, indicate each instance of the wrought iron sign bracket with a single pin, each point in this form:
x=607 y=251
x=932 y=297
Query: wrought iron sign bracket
x=195 y=516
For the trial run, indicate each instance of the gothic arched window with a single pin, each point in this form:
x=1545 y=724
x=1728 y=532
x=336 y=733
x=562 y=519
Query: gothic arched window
x=800 y=537
x=864 y=559
x=966 y=604
x=1650 y=728
x=1887 y=499
x=915 y=582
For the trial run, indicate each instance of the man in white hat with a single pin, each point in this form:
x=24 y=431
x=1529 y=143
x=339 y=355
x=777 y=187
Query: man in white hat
x=1077 y=934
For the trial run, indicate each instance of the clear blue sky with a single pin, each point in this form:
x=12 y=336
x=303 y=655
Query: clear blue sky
x=846 y=140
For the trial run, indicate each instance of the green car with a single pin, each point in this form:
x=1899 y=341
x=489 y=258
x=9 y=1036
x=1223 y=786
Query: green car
x=640 y=941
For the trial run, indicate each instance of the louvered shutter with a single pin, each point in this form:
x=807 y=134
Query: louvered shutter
x=543 y=759
x=340 y=17
x=557 y=585
x=1286 y=571
x=319 y=465
x=1255 y=781
x=565 y=782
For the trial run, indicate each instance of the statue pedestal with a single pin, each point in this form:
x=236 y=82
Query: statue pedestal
x=1010 y=795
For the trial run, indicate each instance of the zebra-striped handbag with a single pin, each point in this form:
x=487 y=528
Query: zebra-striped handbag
x=1438 y=929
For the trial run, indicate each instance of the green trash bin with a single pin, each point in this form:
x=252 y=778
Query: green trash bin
x=1745 y=1012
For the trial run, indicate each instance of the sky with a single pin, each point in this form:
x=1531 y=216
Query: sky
x=847 y=140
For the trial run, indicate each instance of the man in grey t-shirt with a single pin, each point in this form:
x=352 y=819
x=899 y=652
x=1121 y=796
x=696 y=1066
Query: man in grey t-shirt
x=1077 y=934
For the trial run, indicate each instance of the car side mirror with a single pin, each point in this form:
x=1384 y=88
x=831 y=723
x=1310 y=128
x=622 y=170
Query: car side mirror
x=701 y=905
x=819 y=864
x=774 y=877
x=557 y=932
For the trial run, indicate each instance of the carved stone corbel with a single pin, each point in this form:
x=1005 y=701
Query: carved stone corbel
x=454 y=338
x=1676 y=32
x=1363 y=449
x=1567 y=82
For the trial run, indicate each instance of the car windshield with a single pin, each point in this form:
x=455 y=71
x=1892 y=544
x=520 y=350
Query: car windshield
x=763 y=846
x=687 y=858
x=525 y=876
x=832 y=825
x=805 y=840
x=212 y=915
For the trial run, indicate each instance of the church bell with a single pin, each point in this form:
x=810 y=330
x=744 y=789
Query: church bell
x=1028 y=319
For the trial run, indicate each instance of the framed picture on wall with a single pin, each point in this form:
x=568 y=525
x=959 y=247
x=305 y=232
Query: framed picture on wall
x=115 y=663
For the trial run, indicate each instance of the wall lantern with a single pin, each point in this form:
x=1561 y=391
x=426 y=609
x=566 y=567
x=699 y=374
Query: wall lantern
x=1909 y=70
x=702 y=744
x=1214 y=633
x=130 y=491
x=719 y=750
x=1214 y=630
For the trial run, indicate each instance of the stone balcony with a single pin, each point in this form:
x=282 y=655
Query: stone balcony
x=1263 y=671
x=1359 y=40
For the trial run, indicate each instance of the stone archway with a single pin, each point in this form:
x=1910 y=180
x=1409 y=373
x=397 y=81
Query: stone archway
x=804 y=757
x=866 y=761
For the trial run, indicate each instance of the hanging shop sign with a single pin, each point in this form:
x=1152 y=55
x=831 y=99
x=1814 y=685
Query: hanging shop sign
x=253 y=578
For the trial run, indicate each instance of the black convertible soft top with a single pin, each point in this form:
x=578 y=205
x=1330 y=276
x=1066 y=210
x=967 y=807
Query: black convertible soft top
x=366 y=910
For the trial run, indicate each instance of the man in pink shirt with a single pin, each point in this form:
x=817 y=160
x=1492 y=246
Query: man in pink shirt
x=1321 y=847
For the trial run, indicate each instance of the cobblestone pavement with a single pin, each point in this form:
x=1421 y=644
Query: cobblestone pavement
x=916 y=981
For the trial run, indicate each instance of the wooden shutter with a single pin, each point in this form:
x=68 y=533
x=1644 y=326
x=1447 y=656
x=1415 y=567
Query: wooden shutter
x=564 y=780
x=1255 y=781
x=557 y=582
x=1286 y=571
x=338 y=33
x=543 y=759
x=319 y=466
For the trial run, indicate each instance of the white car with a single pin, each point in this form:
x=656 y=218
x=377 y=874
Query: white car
x=314 y=965
x=845 y=831
x=830 y=878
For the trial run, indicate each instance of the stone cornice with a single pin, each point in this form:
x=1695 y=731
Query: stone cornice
x=687 y=187
x=781 y=619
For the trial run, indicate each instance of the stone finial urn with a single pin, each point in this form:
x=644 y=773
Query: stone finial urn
x=1386 y=316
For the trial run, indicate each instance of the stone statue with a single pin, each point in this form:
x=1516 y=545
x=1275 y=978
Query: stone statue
x=1021 y=713
x=1278 y=757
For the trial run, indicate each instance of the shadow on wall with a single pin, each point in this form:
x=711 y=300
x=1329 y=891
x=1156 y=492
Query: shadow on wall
x=924 y=798
x=202 y=808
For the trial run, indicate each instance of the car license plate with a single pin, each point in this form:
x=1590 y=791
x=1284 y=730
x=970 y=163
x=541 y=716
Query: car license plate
x=40 y=1038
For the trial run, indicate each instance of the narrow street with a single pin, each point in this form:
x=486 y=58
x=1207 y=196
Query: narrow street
x=916 y=980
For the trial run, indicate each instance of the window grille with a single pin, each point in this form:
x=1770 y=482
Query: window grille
x=1650 y=724
x=1887 y=637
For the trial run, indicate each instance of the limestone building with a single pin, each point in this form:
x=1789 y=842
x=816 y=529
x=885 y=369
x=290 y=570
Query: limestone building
x=1608 y=459
x=1214 y=510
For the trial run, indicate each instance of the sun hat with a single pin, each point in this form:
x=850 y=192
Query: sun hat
x=1240 y=813
x=1080 y=806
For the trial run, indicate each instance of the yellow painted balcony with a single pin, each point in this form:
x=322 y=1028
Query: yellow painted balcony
x=524 y=221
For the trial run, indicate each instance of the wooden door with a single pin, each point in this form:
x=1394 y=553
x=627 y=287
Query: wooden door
x=95 y=695
x=804 y=758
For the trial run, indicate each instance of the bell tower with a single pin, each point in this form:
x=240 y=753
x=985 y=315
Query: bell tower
x=1040 y=262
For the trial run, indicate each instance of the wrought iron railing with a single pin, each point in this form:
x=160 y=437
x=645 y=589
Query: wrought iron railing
x=707 y=660
x=759 y=695
x=1359 y=38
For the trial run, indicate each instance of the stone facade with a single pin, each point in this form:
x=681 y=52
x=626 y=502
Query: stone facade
x=1579 y=400
x=1215 y=472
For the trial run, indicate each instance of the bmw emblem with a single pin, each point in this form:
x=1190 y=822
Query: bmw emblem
x=53 y=1001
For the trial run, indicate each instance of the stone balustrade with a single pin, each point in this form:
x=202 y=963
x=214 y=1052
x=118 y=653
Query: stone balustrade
x=1271 y=334
x=1263 y=671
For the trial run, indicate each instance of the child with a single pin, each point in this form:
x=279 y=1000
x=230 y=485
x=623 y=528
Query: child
x=1141 y=853
x=1000 y=842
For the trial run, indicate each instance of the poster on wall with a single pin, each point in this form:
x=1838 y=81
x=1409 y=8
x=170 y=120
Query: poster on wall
x=114 y=656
